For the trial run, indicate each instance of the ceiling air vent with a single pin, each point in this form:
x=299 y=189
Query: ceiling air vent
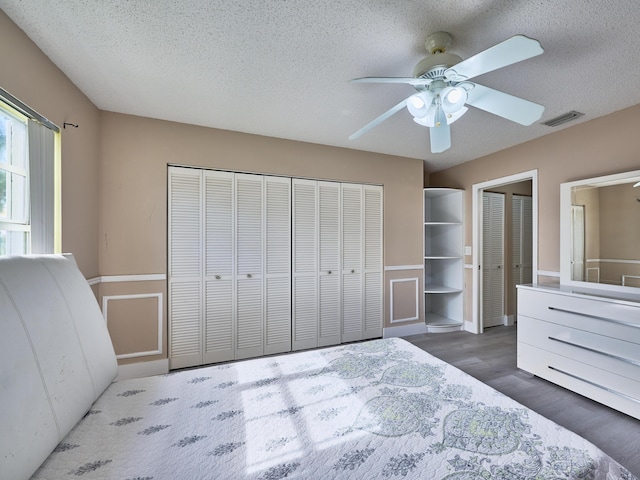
x=564 y=118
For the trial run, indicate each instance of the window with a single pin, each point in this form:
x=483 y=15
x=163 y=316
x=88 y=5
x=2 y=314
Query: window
x=14 y=184
x=28 y=201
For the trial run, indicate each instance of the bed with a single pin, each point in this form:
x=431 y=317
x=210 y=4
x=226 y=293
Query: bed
x=376 y=409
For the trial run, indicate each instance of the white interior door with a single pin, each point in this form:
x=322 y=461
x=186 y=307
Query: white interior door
x=184 y=267
x=219 y=240
x=249 y=266
x=373 y=319
x=277 y=265
x=329 y=278
x=493 y=259
x=521 y=245
x=305 y=263
x=352 y=294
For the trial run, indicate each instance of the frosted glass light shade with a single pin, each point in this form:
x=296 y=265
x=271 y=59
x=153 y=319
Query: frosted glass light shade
x=453 y=99
x=419 y=104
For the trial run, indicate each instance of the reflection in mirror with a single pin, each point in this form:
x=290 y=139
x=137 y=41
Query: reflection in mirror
x=603 y=239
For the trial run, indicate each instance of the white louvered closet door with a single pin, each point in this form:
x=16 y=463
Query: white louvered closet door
x=249 y=266
x=184 y=267
x=329 y=278
x=352 y=227
x=277 y=267
x=305 y=263
x=372 y=261
x=521 y=246
x=219 y=321
x=493 y=259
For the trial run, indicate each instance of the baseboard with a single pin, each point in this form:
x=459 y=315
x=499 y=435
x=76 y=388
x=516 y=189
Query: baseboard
x=143 y=369
x=404 y=330
x=509 y=320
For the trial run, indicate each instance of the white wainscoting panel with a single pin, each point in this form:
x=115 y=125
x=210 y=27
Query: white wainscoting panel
x=158 y=296
x=416 y=315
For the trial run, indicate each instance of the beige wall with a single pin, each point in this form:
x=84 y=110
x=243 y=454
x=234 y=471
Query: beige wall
x=134 y=155
x=605 y=145
x=30 y=76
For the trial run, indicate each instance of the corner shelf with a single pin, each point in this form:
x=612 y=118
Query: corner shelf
x=443 y=259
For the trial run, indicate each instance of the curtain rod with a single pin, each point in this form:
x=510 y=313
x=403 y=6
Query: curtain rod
x=27 y=110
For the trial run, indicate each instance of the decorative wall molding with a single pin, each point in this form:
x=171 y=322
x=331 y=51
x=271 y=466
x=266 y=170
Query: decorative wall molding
x=417 y=297
x=391 y=268
x=151 y=277
x=105 y=313
x=547 y=273
x=613 y=260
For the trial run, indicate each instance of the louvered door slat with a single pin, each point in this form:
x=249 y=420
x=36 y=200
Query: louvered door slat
x=185 y=232
x=249 y=233
x=329 y=225
x=278 y=315
x=493 y=258
x=329 y=297
x=277 y=282
x=219 y=325
x=352 y=242
x=351 y=227
x=249 y=328
x=184 y=268
x=219 y=321
x=351 y=308
x=372 y=261
x=305 y=312
x=305 y=264
x=219 y=213
x=305 y=233
x=330 y=310
x=249 y=266
x=278 y=225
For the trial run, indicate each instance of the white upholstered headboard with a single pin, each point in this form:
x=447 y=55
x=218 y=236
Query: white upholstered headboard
x=56 y=357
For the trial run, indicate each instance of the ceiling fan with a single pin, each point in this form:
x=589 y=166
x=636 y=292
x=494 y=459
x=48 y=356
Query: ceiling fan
x=443 y=87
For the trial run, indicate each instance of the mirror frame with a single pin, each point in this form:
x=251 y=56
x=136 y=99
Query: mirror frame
x=565 y=229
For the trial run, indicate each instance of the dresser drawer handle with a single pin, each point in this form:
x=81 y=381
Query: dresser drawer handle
x=584 y=347
x=619 y=322
x=597 y=385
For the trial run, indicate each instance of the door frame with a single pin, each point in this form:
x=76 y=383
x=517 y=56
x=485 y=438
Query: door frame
x=476 y=208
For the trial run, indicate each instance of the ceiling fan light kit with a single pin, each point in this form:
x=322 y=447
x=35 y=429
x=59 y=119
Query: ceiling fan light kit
x=444 y=89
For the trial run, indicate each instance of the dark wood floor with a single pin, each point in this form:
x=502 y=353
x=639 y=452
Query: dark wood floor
x=491 y=358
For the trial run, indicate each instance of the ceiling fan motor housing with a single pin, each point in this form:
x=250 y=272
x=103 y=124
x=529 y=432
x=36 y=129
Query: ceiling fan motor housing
x=434 y=66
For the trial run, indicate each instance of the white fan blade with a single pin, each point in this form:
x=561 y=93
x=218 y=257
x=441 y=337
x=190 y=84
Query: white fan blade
x=504 y=105
x=440 y=135
x=406 y=80
x=512 y=50
x=379 y=120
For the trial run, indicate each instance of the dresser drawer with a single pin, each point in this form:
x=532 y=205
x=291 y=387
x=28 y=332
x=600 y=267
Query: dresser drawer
x=601 y=317
x=613 y=390
x=612 y=354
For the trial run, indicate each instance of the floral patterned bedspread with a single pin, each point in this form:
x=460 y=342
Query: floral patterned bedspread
x=380 y=409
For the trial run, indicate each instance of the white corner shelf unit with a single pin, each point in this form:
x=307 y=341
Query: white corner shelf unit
x=443 y=259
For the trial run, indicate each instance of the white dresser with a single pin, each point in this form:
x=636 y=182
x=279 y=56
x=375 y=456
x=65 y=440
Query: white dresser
x=585 y=341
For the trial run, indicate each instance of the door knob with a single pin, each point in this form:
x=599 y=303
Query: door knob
x=248 y=275
x=217 y=277
x=353 y=271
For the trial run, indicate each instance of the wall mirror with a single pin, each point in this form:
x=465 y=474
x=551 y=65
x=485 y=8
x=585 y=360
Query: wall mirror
x=600 y=232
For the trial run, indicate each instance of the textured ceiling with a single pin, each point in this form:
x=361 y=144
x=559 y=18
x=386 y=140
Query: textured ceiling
x=280 y=67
